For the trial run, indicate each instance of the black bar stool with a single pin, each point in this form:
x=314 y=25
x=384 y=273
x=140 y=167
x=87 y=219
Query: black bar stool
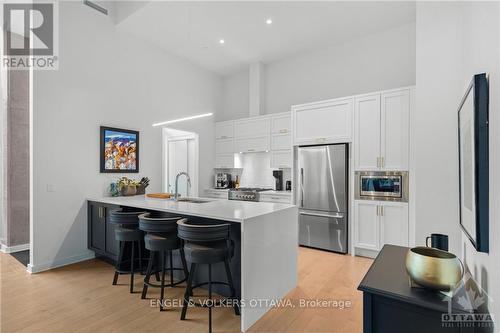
x=206 y=244
x=161 y=238
x=127 y=232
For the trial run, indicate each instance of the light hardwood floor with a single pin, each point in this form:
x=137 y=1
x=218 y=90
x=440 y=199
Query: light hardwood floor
x=80 y=298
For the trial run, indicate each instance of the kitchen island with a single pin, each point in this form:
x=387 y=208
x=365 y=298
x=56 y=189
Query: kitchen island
x=265 y=234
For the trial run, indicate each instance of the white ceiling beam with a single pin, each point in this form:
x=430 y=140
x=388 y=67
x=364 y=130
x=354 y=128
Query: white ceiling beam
x=256 y=89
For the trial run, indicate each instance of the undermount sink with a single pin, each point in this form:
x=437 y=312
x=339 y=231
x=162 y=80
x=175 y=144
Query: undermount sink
x=192 y=200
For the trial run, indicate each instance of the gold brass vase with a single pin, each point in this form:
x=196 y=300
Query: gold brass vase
x=434 y=269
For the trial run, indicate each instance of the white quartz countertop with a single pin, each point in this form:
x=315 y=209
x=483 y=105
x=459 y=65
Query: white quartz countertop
x=226 y=210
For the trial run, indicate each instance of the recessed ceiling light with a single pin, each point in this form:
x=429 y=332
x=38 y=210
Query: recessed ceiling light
x=221 y=41
x=269 y=21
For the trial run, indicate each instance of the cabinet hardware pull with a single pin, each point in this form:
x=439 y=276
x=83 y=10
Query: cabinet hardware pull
x=378 y=163
x=335 y=216
x=382 y=161
x=381 y=210
x=378 y=210
x=283 y=131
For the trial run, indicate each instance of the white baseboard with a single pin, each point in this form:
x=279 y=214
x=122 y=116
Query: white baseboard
x=15 y=248
x=60 y=262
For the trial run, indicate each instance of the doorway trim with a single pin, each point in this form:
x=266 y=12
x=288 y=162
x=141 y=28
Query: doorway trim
x=176 y=136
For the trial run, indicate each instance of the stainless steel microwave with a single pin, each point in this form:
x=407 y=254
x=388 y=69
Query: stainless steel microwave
x=382 y=185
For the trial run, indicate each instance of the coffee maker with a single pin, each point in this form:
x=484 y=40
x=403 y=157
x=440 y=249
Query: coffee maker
x=222 y=180
x=278 y=175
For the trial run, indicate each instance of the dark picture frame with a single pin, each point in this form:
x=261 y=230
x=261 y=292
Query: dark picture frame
x=127 y=134
x=473 y=152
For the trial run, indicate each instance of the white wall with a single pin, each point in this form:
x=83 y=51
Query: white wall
x=454 y=41
x=376 y=62
x=235 y=98
x=105 y=77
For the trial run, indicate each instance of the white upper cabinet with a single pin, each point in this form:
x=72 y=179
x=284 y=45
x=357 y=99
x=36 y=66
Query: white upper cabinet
x=224 y=146
x=382 y=131
x=224 y=130
x=281 y=142
x=395 y=129
x=394 y=223
x=281 y=159
x=367 y=132
x=281 y=124
x=252 y=127
x=322 y=122
x=252 y=145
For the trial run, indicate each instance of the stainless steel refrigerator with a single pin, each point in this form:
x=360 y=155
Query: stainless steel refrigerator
x=322 y=189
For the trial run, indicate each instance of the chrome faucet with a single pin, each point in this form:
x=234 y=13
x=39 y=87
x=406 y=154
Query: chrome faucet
x=176 y=194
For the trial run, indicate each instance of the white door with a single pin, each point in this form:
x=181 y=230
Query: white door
x=395 y=130
x=394 y=223
x=323 y=122
x=177 y=162
x=366 y=221
x=367 y=132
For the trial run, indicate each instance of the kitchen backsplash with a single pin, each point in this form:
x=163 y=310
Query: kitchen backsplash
x=254 y=170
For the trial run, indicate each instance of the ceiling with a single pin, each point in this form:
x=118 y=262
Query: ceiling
x=192 y=30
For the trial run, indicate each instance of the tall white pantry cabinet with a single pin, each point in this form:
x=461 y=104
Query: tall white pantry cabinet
x=381 y=143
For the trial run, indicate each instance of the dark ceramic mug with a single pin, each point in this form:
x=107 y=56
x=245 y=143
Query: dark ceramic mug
x=438 y=241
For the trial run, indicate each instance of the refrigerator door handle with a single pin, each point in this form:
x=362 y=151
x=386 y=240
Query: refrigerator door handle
x=335 y=215
x=301 y=187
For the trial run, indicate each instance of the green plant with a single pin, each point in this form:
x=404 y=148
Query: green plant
x=124 y=181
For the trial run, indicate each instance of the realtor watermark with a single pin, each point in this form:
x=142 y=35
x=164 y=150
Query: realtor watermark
x=338 y=304
x=468 y=307
x=30 y=38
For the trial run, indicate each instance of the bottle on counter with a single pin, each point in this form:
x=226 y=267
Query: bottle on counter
x=237 y=182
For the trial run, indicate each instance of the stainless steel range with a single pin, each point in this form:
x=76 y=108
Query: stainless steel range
x=246 y=193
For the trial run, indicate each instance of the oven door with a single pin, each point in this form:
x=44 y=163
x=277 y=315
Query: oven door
x=381 y=186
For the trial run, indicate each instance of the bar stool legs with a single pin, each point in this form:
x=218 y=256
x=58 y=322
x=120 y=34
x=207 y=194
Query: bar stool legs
x=188 y=291
x=118 y=262
x=231 y=286
x=210 y=305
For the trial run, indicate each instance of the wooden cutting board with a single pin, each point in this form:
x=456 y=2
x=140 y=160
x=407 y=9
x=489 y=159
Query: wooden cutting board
x=159 y=195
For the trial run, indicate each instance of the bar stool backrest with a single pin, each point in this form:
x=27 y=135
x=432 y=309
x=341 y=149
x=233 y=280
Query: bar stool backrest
x=158 y=223
x=202 y=232
x=125 y=217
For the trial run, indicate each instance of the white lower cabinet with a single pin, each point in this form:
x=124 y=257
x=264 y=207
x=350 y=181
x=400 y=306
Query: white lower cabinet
x=378 y=223
x=286 y=199
x=216 y=194
x=367 y=224
x=394 y=224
